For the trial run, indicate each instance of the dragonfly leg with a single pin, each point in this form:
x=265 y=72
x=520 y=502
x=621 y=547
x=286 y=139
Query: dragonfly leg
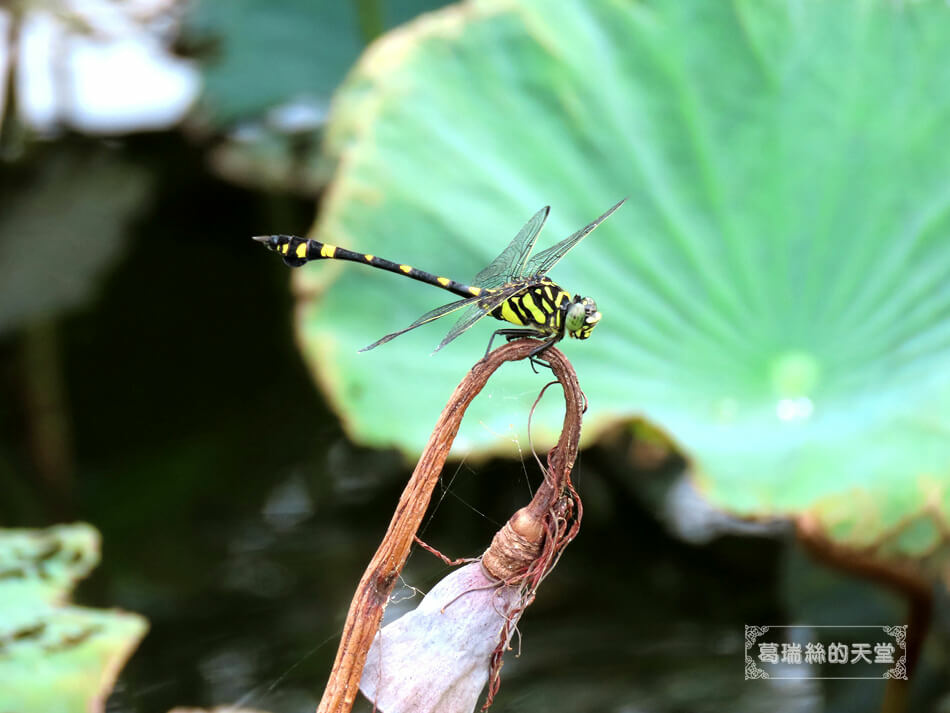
x=544 y=345
x=535 y=360
x=511 y=335
x=535 y=363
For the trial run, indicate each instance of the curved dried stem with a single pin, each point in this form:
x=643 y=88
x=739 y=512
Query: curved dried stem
x=555 y=501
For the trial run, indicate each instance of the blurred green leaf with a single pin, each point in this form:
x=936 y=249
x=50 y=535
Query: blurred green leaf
x=265 y=53
x=56 y=658
x=774 y=291
x=62 y=222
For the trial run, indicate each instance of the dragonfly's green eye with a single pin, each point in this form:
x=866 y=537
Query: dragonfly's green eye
x=575 y=317
x=581 y=318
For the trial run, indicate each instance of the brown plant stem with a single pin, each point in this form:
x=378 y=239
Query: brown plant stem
x=369 y=15
x=11 y=130
x=897 y=576
x=47 y=415
x=377 y=582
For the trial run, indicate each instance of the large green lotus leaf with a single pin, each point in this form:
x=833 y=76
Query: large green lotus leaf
x=53 y=657
x=775 y=290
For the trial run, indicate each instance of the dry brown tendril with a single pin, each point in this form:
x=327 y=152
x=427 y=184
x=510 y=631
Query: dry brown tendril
x=522 y=553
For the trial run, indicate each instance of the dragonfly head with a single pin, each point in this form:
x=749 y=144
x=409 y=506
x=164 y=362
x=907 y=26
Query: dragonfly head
x=286 y=245
x=581 y=318
x=271 y=242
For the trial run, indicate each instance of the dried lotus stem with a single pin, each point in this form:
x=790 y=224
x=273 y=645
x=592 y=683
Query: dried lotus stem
x=555 y=512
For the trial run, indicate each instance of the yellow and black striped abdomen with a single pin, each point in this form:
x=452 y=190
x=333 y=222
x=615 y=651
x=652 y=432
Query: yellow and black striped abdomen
x=538 y=306
x=298 y=251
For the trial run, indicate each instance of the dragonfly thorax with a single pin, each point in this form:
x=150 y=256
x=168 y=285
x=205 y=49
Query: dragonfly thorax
x=538 y=304
x=545 y=309
x=581 y=317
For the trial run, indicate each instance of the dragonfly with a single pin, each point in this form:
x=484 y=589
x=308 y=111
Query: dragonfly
x=513 y=288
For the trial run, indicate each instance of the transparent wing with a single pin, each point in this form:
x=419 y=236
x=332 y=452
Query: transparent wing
x=541 y=263
x=510 y=263
x=473 y=314
x=425 y=319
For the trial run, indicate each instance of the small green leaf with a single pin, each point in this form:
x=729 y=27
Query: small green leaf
x=53 y=657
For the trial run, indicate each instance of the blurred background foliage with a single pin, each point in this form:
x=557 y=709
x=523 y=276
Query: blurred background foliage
x=85 y=648
x=774 y=344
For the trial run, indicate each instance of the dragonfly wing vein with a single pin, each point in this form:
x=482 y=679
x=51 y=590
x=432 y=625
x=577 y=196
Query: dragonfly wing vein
x=425 y=319
x=474 y=314
x=542 y=263
x=510 y=263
